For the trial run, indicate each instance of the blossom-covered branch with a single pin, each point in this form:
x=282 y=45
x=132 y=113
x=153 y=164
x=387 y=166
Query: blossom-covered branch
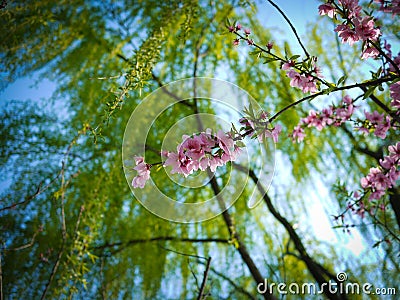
x=204 y=150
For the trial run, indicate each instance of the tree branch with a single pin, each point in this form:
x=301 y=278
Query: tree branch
x=323 y=92
x=291 y=27
x=169 y=93
x=203 y=283
x=231 y=282
x=160 y=239
x=27 y=245
x=317 y=270
x=235 y=235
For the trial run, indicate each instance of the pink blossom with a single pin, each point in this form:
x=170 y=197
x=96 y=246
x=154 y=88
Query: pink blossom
x=395 y=94
x=363 y=130
x=318 y=72
x=347 y=100
x=352 y=7
x=387 y=162
x=206 y=140
x=306 y=83
x=365 y=29
x=247 y=31
x=140 y=181
x=238 y=26
x=270 y=45
x=143 y=170
x=393 y=175
x=298 y=134
x=231 y=28
x=215 y=162
x=197 y=152
x=394 y=152
x=375 y=117
x=365 y=182
x=203 y=163
x=288 y=65
x=225 y=142
x=326 y=9
x=327 y=114
x=236 y=42
x=344 y=113
x=382 y=128
x=274 y=133
x=377 y=194
x=384 y=177
x=309 y=120
x=370 y=52
x=347 y=34
x=192 y=148
x=250 y=42
x=179 y=162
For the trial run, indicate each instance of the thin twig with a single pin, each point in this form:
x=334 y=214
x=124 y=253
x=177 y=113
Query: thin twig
x=169 y=93
x=30 y=244
x=291 y=26
x=231 y=282
x=63 y=223
x=53 y=271
x=184 y=254
x=203 y=284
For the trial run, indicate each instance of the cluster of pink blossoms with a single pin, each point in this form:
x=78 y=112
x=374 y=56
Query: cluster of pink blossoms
x=391 y=7
x=395 y=94
x=202 y=151
x=143 y=170
x=305 y=81
x=385 y=176
x=354 y=27
x=333 y=115
x=375 y=122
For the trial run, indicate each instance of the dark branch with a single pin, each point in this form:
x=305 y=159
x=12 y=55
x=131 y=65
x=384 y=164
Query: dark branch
x=160 y=239
x=320 y=274
x=203 y=283
x=169 y=93
x=291 y=26
x=323 y=92
x=231 y=282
